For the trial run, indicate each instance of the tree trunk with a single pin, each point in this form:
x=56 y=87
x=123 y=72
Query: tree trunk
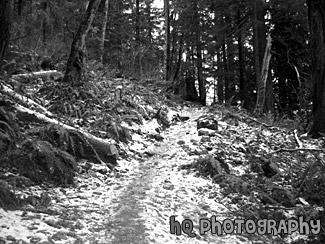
x=262 y=85
x=259 y=51
x=220 y=92
x=191 y=93
x=20 y=7
x=242 y=87
x=167 y=41
x=231 y=86
x=45 y=23
x=138 y=54
x=102 y=43
x=201 y=80
x=5 y=24
x=225 y=71
x=75 y=64
x=149 y=28
x=137 y=22
x=179 y=60
x=316 y=12
x=199 y=60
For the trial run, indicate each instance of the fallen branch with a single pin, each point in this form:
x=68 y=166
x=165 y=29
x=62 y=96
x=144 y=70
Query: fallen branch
x=24 y=100
x=50 y=74
x=106 y=152
x=255 y=120
x=297 y=149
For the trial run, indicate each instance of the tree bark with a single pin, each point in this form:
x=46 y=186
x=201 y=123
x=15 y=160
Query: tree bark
x=5 y=24
x=259 y=51
x=138 y=51
x=179 y=60
x=220 y=85
x=262 y=85
x=167 y=40
x=20 y=7
x=199 y=60
x=242 y=86
x=225 y=71
x=102 y=43
x=149 y=28
x=44 y=23
x=316 y=13
x=75 y=64
x=201 y=80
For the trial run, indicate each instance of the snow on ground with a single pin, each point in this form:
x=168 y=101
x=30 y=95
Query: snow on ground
x=132 y=205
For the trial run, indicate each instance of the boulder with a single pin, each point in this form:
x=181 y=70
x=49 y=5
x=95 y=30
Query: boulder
x=208 y=122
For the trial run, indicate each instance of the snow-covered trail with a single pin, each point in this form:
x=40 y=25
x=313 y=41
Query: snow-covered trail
x=156 y=189
x=132 y=206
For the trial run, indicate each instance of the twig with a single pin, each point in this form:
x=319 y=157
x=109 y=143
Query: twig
x=297 y=139
x=279 y=207
x=297 y=149
x=255 y=120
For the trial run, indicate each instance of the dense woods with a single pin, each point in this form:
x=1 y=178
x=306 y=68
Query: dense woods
x=220 y=46
x=78 y=77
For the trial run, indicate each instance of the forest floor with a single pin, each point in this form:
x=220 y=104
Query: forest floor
x=133 y=204
x=211 y=164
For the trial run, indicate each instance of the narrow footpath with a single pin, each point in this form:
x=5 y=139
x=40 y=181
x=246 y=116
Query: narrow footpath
x=132 y=205
x=156 y=189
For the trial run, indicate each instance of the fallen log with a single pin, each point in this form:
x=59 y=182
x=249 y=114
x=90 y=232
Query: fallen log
x=97 y=149
x=24 y=100
x=45 y=75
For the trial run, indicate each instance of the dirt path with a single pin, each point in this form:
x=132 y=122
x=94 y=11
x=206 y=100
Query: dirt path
x=157 y=188
x=132 y=206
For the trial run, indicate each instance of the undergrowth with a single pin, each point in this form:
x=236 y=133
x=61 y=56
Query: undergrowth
x=277 y=180
x=102 y=106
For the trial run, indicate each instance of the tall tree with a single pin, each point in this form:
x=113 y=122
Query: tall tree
x=167 y=40
x=102 y=43
x=242 y=85
x=45 y=22
x=316 y=13
x=220 y=77
x=5 y=22
x=75 y=64
x=291 y=57
x=264 y=87
x=195 y=12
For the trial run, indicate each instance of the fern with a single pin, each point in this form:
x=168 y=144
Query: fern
x=117 y=132
x=71 y=141
x=47 y=162
x=8 y=131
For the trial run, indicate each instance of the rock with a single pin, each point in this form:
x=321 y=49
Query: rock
x=102 y=171
x=270 y=169
x=32 y=227
x=45 y=199
x=200 y=151
x=206 y=132
x=59 y=236
x=35 y=240
x=207 y=121
x=168 y=186
x=87 y=166
x=150 y=153
x=10 y=238
x=212 y=195
x=181 y=142
x=205 y=139
x=158 y=137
